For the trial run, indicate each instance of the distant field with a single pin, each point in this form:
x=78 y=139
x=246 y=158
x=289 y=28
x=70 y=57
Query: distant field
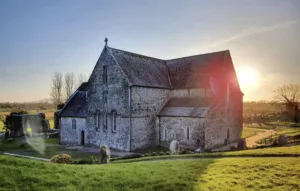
x=261 y=107
x=207 y=174
x=49 y=115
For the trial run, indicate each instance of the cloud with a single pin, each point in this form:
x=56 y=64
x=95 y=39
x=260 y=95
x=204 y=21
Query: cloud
x=253 y=31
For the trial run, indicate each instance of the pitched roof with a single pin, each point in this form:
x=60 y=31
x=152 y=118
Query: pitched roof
x=142 y=70
x=183 y=112
x=186 y=107
x=180 y=73
x=193 y=71
x=188 y=102
x=76 y=106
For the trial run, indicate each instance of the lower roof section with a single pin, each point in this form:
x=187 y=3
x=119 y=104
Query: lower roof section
x=183 y=112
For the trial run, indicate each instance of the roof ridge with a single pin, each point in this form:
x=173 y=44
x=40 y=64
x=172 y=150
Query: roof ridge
x=222 y=51
x=139 y=55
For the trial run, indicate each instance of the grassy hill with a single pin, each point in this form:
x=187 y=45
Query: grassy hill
x=206 y=174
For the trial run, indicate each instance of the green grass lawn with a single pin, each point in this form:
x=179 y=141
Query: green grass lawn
x=207 y=174
x=248 y=132
x=275 y=151
x=38 y=147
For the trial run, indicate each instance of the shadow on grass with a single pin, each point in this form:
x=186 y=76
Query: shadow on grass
x=159 y=175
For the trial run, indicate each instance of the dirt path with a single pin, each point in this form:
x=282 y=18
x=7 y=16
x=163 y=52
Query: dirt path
x=251 y=141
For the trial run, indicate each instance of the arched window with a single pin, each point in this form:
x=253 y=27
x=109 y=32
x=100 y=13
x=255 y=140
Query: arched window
x=188 y=133
x=98 y=120
x=104 y=74
x=105 y=121
x=73 y=124
x=105 y=94
x=166 y=137
x=228 y=136
x=114 y=121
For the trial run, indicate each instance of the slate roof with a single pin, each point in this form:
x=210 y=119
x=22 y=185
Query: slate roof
x=188 y=102
x=186 y=107
x=193 y=71
x=76 y=106
x=183 y=112
x=142 y=70
x=180 y=73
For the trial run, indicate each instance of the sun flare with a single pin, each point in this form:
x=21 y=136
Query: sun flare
x=247 y=77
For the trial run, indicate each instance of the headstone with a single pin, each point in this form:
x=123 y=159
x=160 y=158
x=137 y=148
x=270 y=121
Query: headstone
x=174 y=147
x=198 y=150
x=282 y=140
x=104 y=154
x=241 y=144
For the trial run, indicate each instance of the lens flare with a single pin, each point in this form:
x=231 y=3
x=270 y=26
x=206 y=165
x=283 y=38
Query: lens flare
x=32 y=138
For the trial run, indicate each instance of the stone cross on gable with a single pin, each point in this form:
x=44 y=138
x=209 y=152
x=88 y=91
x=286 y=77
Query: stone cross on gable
x=105 y=41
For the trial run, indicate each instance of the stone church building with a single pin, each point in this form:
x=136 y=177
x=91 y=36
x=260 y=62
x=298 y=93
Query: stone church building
x=133 y=101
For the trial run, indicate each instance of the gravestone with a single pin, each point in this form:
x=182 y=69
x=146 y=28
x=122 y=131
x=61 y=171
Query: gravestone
x=241 y=144
x=174 y=147
x=282 y=140
x=104 y=154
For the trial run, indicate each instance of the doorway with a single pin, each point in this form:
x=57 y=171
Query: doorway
x=82 y=137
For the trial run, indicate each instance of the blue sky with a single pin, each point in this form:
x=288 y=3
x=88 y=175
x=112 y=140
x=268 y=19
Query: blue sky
x=38 y=38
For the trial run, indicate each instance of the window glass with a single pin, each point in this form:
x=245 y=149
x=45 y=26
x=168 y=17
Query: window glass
x=104 y=74
x=73 y=124
x=114 y=121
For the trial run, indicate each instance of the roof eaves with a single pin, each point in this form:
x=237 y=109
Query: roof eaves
x=190 y=116
x=217 y=52
x=147 y=86
x=72 y=96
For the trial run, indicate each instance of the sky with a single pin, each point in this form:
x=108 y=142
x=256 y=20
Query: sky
x=38 y=38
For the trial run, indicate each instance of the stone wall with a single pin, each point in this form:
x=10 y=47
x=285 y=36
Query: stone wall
x=224 y=121
x=69 y=135
x=146 y=103
x=216 y=126
x=235 y=117
x=179 y=93
x=187 y=130
x=117 y=100
x=193 y=92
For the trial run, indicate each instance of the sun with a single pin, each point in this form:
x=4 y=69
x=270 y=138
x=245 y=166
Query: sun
x=247 y=76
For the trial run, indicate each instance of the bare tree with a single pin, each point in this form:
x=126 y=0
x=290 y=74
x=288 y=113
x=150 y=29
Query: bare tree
x=70 y=81
x=56 y=88
x=81 y=78
x=289 y=94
